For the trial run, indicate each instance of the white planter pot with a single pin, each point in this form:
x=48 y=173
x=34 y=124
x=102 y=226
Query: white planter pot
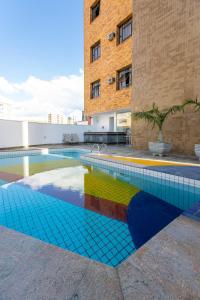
x=197 y=150
x=160 y=149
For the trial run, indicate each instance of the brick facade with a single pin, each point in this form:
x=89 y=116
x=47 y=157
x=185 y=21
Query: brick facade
x=166 y=64
x=113 y=56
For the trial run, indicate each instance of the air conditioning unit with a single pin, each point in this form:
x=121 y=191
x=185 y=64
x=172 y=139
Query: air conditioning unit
x=111 y=36
x=111 y=80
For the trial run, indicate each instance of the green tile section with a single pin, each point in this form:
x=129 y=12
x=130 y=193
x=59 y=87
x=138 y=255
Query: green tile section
x=35 y=167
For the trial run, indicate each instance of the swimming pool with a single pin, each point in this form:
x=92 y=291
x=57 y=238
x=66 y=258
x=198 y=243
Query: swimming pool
x=95 y=212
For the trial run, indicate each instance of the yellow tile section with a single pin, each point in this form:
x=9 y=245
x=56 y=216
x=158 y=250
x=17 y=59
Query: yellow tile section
x=104 y=186
x=145 y=162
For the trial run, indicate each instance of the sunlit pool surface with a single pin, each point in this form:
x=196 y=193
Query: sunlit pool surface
x=97 y=213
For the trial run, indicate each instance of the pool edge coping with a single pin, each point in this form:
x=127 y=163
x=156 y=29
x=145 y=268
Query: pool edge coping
x=134 y=168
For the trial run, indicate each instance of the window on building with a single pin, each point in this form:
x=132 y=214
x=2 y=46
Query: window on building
x=95 y=11
x=123 y=121
x=125 y=78
x=95 y=51
x=95 y=89
x=125 y=31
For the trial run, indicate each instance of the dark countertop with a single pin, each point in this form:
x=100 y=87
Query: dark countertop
x=104 y=133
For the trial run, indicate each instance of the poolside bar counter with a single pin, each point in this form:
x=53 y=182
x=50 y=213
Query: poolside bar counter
x=105 y=137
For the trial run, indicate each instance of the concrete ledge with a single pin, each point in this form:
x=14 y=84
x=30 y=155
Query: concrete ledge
x=167 y=267
x=33 y=270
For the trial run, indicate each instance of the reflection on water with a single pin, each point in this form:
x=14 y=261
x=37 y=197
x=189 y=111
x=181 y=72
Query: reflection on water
x=66 y=178
x=31 y=165
x=85 y=187
x=26 y=166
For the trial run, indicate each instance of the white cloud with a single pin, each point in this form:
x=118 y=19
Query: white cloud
x=35 y=98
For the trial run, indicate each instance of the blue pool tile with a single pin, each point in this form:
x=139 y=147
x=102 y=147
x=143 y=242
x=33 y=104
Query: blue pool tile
x=65 y=225
x=2 y=182
x=147 y=215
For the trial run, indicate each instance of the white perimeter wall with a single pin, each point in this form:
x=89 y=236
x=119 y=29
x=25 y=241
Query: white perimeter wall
x=53 y=133
x=18 y=134
x=11 y=134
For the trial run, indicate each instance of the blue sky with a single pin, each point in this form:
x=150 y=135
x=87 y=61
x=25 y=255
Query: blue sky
x=43 y=38
x=41 y=55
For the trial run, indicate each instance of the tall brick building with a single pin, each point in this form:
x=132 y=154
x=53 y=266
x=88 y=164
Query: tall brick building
x=108 y=63
x=162 y=48
x=166 y=64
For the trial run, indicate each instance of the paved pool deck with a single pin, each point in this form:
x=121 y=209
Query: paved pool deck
x=166 y=267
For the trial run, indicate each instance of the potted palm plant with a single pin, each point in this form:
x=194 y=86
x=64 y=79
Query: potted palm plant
x=157 y=118
x=196 y=104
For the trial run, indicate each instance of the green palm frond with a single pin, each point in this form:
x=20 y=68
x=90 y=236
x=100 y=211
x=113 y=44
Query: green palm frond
x=155 y=116
x=174 y=109
x=195 y=103
x=147 y=116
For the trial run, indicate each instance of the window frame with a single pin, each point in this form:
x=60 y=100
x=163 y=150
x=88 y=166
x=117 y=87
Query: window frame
x=124 y=23
x=92 y=93
x=96 y=46
x=120 y=87
x=94 y=5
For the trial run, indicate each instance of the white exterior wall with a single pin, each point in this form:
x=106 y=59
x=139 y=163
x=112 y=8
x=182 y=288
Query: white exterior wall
x=11 y=134
x=40 y=134
x=22 y=134
x=101 y=121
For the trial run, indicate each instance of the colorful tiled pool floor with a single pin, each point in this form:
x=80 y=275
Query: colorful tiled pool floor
x=65 y=225
x=30 y=165
x=85 y=187
x=9 y=177
x=2 y=182
x=102 y=185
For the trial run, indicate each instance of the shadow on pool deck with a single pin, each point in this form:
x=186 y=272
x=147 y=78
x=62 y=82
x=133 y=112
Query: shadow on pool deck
x=167 y=267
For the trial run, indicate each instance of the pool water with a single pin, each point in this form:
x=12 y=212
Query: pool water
x=97 y=213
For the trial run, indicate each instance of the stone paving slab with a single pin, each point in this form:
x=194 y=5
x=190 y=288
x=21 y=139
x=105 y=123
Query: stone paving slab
x=33 y=270
x=167 y=267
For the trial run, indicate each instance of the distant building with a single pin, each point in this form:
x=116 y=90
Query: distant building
x=82 y=123
x=5 y=110
x=56 y=118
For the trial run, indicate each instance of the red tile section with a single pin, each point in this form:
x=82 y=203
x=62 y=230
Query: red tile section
x=9 y=177
x=106 y=207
